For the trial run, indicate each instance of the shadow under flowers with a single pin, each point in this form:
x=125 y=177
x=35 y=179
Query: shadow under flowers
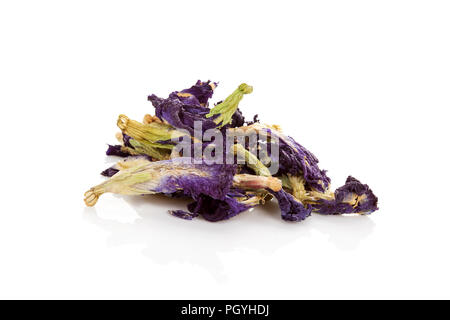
x=168 y=239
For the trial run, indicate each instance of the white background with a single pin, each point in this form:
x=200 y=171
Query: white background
x=362 y=84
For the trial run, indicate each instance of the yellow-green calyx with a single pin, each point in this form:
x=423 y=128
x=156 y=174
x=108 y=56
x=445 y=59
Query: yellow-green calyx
x=123 y=182
x=228 y=107
x=154 y=152
x=149 y=135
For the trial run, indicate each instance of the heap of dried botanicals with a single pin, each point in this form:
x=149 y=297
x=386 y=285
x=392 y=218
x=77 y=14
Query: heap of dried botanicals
x=154 y=163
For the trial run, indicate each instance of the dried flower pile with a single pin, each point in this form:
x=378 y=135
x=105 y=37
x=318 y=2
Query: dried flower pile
x=154 y=162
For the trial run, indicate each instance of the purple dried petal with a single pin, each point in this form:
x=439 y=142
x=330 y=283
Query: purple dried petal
x=116 y=151
x=182 y=116
x=197 y=95
x=216 y=181
x=186 y=99
x=353 y=197
x=291 y=208
x=297 y=160
x=155 y=100
x=109 y=172
x=237 y=120
x=183 y=214
x=201 y=91
x=216 y=210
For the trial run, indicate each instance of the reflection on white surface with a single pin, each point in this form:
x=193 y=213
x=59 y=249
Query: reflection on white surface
x=168 y=239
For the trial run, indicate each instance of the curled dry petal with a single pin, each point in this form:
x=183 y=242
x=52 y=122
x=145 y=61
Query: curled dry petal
x=291 y=208
x=352 y=197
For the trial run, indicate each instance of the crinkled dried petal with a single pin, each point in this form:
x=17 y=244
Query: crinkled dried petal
x=109 y=172
x=182 y=116
x=291 y=208
x=216 y=210
x=198 y=94
x=353 y=197
x=117 y=150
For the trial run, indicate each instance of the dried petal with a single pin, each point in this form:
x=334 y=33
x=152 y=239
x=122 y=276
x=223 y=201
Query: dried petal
x=117 y=150
x=198 y=94
x=216 y=210
x=291 y=208
x=353 y=197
